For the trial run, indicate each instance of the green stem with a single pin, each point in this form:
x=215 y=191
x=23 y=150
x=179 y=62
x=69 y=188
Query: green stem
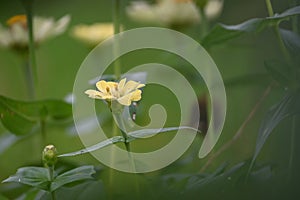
x=31 y=45
x=116 y=47
x=121 y=124
x=204 y=23
x=278 y=35
x=51 y=175
x=43 y=132
x=29 y=79
x=270 y=8
x=292 y=147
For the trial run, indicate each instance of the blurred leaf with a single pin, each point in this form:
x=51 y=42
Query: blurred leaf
x=291 y=41
x=34 y=176
x=139 y=134
x=91 y=190
x=280 y=71
x=261 y=175
x=7 y=140
x=95 y=147
x=287 y=107
x=33 y=193
x=221 y=32
x=21 y=117
x=77 y=174
x=3 y=197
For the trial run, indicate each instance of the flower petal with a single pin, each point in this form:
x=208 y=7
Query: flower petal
x=125 y=100
x=94 y=94
x=136 y=95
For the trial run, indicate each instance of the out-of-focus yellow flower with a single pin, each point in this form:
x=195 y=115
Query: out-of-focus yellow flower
x=168 y=13
x=173 y=13
x=93 y=34
x=16 y=35
x=123 y=92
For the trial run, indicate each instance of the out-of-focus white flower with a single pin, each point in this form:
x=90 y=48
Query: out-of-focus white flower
x=173 y=13
x=213 y=9
x=168 y=13
x=16 y=35
x=93 y=34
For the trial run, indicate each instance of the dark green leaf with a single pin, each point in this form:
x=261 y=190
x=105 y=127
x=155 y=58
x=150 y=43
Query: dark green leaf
x=95 y=147
x=21 y=117
x=280 y=71
x=221 y=32
x=88 y=190
x=77 y=174
x=34 y=176
x=287 y=107
x=3 y=198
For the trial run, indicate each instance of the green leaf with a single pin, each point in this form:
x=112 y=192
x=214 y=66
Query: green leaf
x=77 y=174
x=139 y=134
x=287 y=107
x=95 y=147
x=221 y=32
x=34 y=176
x=91 y=190
x=280 y=71
x=21 y=117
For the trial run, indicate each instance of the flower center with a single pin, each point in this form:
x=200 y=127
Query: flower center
x=18 y=19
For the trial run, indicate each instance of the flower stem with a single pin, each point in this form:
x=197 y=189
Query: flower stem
x=204 y=23
x=51 y=175
x=278 y=35
x=32 y=59
x=29 y=79
x=43 y=132
x=116 y=47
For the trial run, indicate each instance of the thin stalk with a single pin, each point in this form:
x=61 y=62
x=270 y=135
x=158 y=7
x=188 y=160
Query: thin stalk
x=43 y=132
x=204 y=23
x=116 y=45
x=240 y=130
x=51 y=175
x=120 y=121
x=32 y=58
x=270 y=8
x=29 y=79
x=278 y=35
x=292 y=147
x=112 y=158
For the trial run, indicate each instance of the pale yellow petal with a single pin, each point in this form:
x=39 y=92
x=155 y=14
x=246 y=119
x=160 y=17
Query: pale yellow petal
x=129 y=87
x=94 y=94
x=101 y=86
x=121 y=84
x=125 y=100
x=136 y=95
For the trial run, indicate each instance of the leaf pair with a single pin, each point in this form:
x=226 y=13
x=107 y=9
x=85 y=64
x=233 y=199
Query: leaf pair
x=39 y=177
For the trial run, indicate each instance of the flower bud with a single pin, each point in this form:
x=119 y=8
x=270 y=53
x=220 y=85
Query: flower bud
x=49 y=155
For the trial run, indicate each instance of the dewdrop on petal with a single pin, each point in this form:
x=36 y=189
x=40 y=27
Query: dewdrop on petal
x=49 y=156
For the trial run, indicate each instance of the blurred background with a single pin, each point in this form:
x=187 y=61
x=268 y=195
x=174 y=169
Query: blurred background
x=240 y=61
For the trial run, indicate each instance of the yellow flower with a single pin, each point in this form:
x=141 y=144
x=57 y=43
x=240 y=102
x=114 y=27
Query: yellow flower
x=168 y=13
x=16 y=35
x=123 y=92
x=93 y=34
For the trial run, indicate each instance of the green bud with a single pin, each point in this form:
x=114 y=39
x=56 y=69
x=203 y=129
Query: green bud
x=49 y=155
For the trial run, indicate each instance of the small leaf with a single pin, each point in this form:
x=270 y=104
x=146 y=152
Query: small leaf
x=22 y=118
x=77 y=174
x=287 y=107
x=34 y=176
x=221 y=32
x=95 y=147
